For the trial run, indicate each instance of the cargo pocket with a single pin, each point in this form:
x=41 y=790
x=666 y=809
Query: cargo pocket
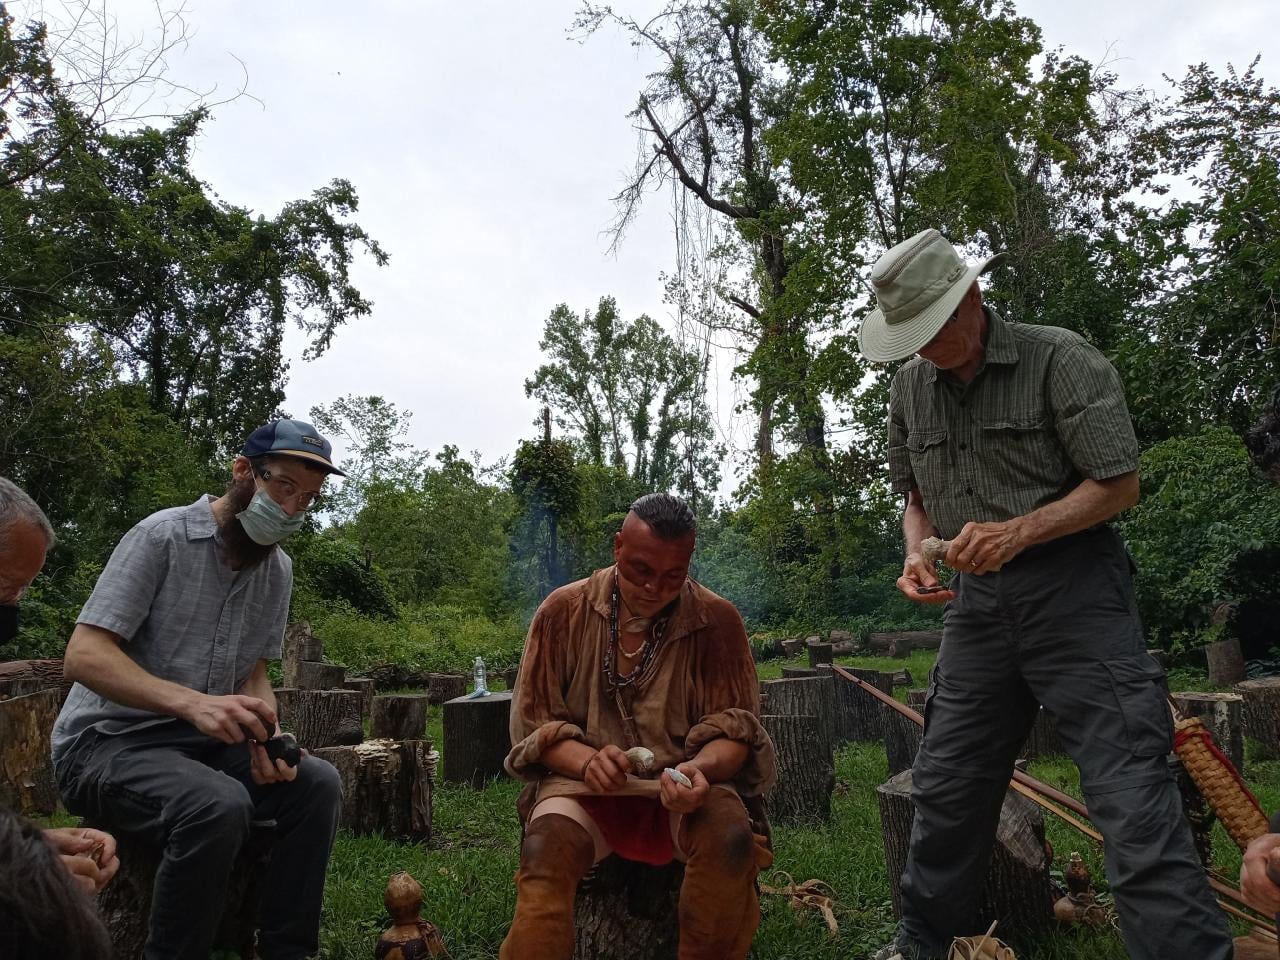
x=1140 y=696
x=1024 y=452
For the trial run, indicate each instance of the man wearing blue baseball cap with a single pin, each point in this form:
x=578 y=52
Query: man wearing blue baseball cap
x=161 y=737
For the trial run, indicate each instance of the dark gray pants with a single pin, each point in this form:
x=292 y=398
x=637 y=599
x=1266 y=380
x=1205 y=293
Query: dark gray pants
x=193 y=797
x=1058 y=626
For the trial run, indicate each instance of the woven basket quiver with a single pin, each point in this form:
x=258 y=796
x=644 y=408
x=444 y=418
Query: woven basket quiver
x=1218 y=781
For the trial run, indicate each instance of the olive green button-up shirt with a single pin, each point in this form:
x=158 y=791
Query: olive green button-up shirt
x=1044 y=411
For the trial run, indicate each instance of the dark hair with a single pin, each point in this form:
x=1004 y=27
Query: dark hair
x=1263 y=440
x=667 y=516
x=43 y=912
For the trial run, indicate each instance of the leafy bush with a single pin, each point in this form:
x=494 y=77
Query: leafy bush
x=332 y=571
x=1206 y=531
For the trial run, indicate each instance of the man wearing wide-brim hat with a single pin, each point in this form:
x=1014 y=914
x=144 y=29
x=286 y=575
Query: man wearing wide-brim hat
x=1013 y=442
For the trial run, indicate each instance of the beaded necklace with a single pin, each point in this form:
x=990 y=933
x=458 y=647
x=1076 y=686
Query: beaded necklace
x=614 y=649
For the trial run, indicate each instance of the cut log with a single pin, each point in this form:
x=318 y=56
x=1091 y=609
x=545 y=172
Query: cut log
x=320 y=718
x=314 y=675
x=806 y=773
x=291 y=651
x=1017 y=890
x=1226 y=662
x=792 y=647
x=791 y=673
x=1261 y=713
x=916 y=700
x=912 y=639
x=386 y=787
x=819 y=653
x=367 y=690
x=902 y=738
x=841 y=638
x=1223 y=715
x=19 y=678
x=26 y=766
x=125 y=903
x=399 y=716
x=902 y=678
x=476 y=738
x=509 y=677
x=1042 y=740
x=628 y=909
x=804 y=696
x=442 y=687
x=860 y=717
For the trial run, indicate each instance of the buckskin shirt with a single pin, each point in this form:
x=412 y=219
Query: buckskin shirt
x=700 y=685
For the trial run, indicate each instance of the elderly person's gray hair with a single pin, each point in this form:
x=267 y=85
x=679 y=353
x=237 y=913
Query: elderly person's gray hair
x=16 y=506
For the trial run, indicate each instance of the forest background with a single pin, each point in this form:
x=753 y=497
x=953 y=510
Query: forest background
x=143 y=320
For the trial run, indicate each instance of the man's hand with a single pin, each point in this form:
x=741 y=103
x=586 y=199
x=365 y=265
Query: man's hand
x=919 y=582
x=1260 y=890
x=986 y=547
x=607 y=769
x=224 y=717
x=88 y=855
x=264 y=771
x=679 y=798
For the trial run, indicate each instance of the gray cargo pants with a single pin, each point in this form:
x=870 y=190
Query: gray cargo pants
x=1057 y=626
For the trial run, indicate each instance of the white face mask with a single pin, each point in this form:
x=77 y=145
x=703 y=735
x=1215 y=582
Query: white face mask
x=265 y=521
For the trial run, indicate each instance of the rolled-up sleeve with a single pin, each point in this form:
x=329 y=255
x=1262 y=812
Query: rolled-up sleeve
x=1090 y=414
x=730 y=702
x=540 y=717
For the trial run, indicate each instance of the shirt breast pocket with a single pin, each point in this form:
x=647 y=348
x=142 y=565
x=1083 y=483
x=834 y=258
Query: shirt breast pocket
x=928 y=452
x=1022 y=453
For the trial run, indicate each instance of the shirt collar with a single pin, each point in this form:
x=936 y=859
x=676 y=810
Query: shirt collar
x=199 y=516
x=1001 y=346
x=689 y=614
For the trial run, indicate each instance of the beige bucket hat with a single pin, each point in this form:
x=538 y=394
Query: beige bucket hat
x=918 y=284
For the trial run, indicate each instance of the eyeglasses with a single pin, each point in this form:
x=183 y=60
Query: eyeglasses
x=285 y=490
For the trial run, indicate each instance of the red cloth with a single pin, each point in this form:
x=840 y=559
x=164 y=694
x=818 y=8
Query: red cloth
x=636 y=828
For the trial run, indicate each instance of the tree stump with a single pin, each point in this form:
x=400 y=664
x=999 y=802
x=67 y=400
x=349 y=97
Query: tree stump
x=1226 y=662
x=125 y=903
x=399 y=716
x=1261 y=714
x=477 y=737
x=367 y=689
x=860 y=717
x=442 y=687
x=509 y=677
x=806 y=773
x=819 y=653
x=298 y=642
x=911 y=639
x=1160 y=657
x=791 y=673
x=804 y=696
x=841 y=642
x=791 y=647
x=916 y=700
x=902 y=738
x=386 y=787
x=20 y=678
x=1222 y=714
x=320 y=718
x=1042 y=739
x=902 y=678
x=1017 y=889
x=628 y=911
x=315 y=675
x=26 y=764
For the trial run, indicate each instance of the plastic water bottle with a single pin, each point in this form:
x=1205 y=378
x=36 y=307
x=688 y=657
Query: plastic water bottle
x=480 y=675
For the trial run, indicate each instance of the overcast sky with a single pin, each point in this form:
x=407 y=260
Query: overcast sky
x=485 y=146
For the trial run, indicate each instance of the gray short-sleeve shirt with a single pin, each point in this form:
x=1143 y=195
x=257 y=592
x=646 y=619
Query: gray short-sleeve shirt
x=183 y=615
x=1044 y=411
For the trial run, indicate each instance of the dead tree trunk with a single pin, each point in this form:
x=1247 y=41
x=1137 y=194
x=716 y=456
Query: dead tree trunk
x=314 y=675
x=320 y=718
x=477 y=737
x=1222 y=715
x=628 y=911
x=26 y=766
x=400 y=716
x=905 y=639
x=1261 y=713
x=366 y=688
x=299 y=644
x=860 y=717
x=125 y=903
x=1226 y=662
x=386 y=787
x=1017 y=889
x=806 y=773
x=804 y=696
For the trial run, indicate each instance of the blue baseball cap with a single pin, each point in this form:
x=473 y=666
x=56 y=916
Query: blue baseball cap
x=291 y=438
